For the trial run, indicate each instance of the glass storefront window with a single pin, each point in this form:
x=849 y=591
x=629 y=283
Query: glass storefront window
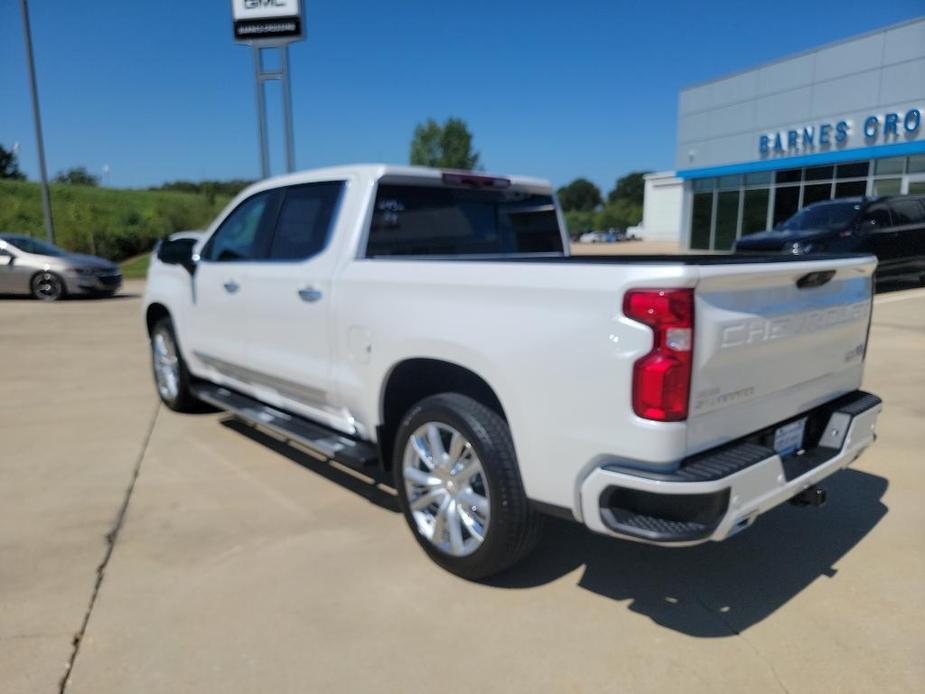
x=887 y=186
x=816 y=193
x=894 y=165
x=727 y=218
x=701 y=184
x=854 y=170
x=819 y=173
x=701 y=215
x=850 y=189
x=755 y=212
x=917 y=163
x=786 y=202
x=727 y=207
x=760 y=178
x=789 y=176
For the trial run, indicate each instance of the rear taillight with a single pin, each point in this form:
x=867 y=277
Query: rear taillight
x=662 y=378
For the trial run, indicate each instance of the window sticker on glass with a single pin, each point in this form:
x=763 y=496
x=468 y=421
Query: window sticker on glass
x=389 y=209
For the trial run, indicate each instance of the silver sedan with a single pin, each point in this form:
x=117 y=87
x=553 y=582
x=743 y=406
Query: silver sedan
x=30 y=266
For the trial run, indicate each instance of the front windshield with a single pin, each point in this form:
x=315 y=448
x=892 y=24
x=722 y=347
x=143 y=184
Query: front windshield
x=29 y=245
x=830 y=216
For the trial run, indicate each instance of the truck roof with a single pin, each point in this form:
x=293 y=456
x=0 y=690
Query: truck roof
x=377 y=171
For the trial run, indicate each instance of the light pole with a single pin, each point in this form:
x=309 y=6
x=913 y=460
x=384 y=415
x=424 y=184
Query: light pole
x=40 y=144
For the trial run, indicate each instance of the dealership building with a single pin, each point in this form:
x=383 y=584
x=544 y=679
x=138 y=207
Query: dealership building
x=845 y=119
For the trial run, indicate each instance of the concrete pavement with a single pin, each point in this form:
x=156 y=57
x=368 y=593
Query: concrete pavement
x=245 y=565
x=75 y=408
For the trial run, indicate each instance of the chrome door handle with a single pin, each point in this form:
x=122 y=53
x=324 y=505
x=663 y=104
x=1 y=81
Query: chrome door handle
x=231 y=286
x=310 y=294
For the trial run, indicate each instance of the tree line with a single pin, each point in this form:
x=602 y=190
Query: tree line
x=441 y=145
x=450 y=145
x=81 y=176
x=211 y=189
x=76 y=176
x=586 y=209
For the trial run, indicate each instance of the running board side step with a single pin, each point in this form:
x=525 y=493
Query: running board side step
x=320 y=439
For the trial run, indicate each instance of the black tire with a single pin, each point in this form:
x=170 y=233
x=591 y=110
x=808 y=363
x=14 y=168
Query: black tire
x=183 y=399
x=47 y=286
x=514 y=526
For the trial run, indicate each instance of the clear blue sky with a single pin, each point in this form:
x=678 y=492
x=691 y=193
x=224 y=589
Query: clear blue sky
x=159 y=91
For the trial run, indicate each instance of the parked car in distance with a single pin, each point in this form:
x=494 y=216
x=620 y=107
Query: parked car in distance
x=31 y=266
x=431 y=329
x=592 y=237
x=892 y=228
x=611 y=236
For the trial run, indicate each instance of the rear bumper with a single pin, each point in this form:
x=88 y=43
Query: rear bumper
x=715 y=494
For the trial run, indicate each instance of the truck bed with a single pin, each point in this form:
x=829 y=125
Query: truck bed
x=705 y=259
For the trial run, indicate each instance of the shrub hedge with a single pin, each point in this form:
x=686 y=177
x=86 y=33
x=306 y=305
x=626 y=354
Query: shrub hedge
x=109 y=222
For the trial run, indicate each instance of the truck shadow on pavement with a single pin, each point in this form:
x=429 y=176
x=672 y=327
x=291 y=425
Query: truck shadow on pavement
x=360 y=485
x=716 y=589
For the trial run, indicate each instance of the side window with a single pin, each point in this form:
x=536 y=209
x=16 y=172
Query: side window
x=907 y=212
x=877 y=216
x=304 y=220
x=237 y=238
x=25 y=245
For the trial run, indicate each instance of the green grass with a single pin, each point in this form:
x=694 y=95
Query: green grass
x=114 y=223
x=136 y=268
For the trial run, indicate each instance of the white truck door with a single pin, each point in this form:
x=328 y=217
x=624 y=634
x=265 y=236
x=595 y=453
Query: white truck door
x=218 y=323
x=288 y=305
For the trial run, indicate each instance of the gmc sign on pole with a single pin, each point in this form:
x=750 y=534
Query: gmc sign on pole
x=259 y=20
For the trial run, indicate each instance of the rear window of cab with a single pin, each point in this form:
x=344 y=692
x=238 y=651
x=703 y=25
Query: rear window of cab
x=420 y=220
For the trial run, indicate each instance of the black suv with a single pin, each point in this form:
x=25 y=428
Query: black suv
x=892 y=228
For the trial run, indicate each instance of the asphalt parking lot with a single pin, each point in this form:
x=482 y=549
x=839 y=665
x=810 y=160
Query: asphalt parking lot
x=145 y=551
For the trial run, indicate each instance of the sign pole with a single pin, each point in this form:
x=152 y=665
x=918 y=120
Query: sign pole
x=36 y=116
x=287 y=107
x=265 y=25
x=261 y=115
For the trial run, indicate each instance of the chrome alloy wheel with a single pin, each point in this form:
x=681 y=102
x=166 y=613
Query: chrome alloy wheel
x=166 y=364
x=446 y=489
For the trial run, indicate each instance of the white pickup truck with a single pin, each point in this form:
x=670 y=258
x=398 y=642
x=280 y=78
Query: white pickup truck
x=433 y=326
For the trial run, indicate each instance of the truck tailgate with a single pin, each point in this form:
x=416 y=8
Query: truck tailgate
x=774 y=340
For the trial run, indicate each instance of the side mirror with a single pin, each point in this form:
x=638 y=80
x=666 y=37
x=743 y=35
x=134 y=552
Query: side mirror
x=868 y=225
x=178 y=252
